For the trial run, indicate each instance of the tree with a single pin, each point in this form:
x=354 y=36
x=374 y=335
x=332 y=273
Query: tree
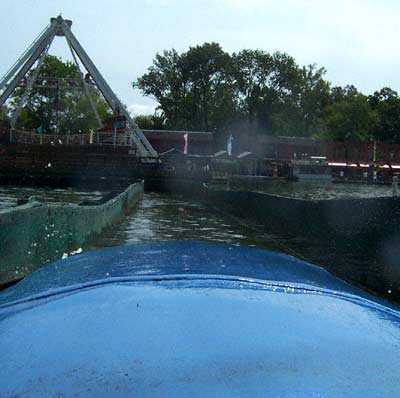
x=349 y=115
x=255 y=92
x=277 y=95
x=164 y=83
x=386 y=103
x=314 y=100
x=253 y=70
x=4 y=112
x=150 y=122
x=57 y=102
x=206 y=69
x=193 y=89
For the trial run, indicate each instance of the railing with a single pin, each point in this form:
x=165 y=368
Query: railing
x=110 y=138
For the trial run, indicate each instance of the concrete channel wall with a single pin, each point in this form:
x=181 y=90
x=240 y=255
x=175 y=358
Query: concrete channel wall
x=355 y=239
x=361 y=236
x=339 y=218
x=36 y=233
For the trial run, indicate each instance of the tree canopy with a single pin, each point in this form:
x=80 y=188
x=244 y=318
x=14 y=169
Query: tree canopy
x=58 y=103
x=386 y=104
x=150 y=122
x=256 y=92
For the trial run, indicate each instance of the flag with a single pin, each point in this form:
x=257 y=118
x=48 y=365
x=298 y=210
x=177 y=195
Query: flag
x=39 y=130
x=185 y=148
x=229 y=145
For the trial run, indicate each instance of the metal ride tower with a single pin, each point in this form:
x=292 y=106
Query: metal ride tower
x=37 y=52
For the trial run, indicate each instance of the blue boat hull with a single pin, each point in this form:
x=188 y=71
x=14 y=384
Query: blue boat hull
x=187 y=319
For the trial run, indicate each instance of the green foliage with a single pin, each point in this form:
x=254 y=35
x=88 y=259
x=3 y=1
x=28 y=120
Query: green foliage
x=194 y=89
x=4 y=112
x=150 y=122
x=349 y=116
x=207 y=76
x=255 y=92
x=63 y=109
x=164 y=82
x=386 y=103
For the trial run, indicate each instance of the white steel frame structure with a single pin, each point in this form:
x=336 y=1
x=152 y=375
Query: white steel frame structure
x=36 y=53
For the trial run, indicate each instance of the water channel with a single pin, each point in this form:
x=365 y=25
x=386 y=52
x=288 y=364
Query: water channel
x=162 y=216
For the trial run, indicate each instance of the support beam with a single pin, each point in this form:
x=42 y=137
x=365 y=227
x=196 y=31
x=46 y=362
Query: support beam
x=85 y=87
x=37 y=51
x=143 y=146
x=23 y=58
x=28 y=87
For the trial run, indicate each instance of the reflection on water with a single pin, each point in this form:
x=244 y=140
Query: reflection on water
x=10 y=195
x=164 y=217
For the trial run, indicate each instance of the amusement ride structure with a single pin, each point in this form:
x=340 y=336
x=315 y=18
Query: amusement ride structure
x=35 y=54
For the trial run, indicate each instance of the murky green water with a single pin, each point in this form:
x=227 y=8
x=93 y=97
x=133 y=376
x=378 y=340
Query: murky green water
x=314 y=190
x=162 y=217
x=10 y=195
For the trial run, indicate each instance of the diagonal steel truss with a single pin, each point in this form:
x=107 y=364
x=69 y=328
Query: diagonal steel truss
x=36 y=53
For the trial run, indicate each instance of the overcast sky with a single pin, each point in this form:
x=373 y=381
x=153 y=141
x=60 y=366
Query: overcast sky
x=357 y=41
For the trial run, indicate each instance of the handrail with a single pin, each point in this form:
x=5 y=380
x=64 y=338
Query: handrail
x=99 y=138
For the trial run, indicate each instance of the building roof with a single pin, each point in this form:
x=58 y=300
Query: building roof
x=244 y=155
x=181 y=132
x=171 y=152
x=269 y=139
x=220 y=154
x=171 y=135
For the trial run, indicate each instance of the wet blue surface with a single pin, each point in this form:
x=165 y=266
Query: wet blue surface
x=181 y=257
x=151 y=320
